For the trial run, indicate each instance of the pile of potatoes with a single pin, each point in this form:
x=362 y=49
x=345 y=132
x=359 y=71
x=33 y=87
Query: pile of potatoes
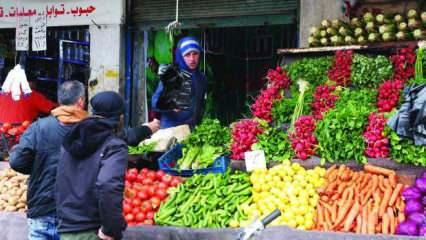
x=13 y=191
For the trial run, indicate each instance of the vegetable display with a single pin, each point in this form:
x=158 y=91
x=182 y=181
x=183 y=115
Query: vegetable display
x=276 y=145
x=369 y=28
x=367 y=202
x=369 y=72
x=288 y=187
x=244 y=135
x=142 y=148
x=283 y=109
x=404 y=150
x=340 y=72
x=144 y=191
x=208 y=201
x=377 y=144
x=313 y=70
x=13 y=191
x=324 y=100
x=303 y=141
x=415 y=203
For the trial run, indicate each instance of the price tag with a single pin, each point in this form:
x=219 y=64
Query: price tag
x=255 y=160
x=22 y=34
x=39 y=33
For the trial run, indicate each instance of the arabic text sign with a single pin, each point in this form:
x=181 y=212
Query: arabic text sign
x=80 y=12
x=39 y=33
x=22 y=34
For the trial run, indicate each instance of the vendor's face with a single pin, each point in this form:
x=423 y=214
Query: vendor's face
x=192 y=59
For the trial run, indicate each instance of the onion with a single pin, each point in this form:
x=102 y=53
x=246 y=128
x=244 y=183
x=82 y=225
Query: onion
x=407 y=228
x=418 y=218
x=413 y=206
x=421 y=184
x=411 y=193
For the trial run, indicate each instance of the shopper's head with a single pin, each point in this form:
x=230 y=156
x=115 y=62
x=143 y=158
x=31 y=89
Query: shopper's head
x=188 y=53
x=109 y=105
x=72 y=93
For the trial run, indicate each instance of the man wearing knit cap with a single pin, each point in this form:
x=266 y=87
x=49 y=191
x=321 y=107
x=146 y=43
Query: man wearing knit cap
x=187 y=59
x=90 y=175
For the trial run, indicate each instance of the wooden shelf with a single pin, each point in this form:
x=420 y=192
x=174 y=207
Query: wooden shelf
x=382 y=45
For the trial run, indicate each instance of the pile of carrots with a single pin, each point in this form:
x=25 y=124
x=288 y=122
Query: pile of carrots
x=367 y=202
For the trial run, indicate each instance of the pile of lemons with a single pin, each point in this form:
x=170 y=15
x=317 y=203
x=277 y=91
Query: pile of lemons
x=288 y=187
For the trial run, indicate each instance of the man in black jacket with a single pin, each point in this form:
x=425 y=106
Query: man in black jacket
x=38 y=152
x=90 y=175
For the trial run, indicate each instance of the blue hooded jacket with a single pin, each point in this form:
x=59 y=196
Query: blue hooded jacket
x=199 y=87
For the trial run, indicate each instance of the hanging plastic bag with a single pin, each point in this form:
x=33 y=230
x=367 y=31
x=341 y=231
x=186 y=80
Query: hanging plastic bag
x=15 y=81
x=177 y=89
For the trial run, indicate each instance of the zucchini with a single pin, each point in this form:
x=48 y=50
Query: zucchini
x=323 y=33
x=356 y=22
x=401 y=36
x=336 y=23
x=413 y=23
x=412 y=13
x=315 y=32
x=370 y=27
x=336 y=40
x=331 y=31
x=324 y=41
x=345 y=31
x=368 y=17
x=388 y=36
x=361 y=40
x=373 y=37
x=326 y=23
x=349 y=40
x=358 y=32
x=313 y=41
x=419 y=34
x=398 y=18
x=387 y=28
x=402 y=26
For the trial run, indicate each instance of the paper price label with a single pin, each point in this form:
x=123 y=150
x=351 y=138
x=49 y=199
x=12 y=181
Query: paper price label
x=255 y=160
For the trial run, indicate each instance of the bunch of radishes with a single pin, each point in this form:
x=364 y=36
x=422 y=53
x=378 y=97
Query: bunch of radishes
x=277 y=77
x=303 y=140
x=262 y=107
x=324 y=100
x=340 y=72
x=377 y=143
x=389 y=91
x=244 y=135
x=388 y=96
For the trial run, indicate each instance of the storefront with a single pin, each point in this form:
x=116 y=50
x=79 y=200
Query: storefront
x=239 y=40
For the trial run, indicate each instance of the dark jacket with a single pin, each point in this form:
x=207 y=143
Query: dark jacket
x=37 y=154
x=90 y=179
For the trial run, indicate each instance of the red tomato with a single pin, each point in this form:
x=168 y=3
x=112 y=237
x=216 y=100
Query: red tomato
x=2 y=130
x=138 y=186
x=142 y=195
x=133 y=170
x=160 y=174
x=151 y=175
x=161 y=194
x=148 y=222
x=150 y=215
x=162 y=185
x=21 y=129
x=136 y=210
x=26 y=124
x=130 y=193
x=136 y=202
x=127 y=184
x=131 y=177
x=139 y=178
x=151 y=191
x=140 y=217
x=146 y=206
x=144 y=171
x=129 y=217
x=147 y=181
x=127 y=208
x=166 y=179
x=7 y=126
x=175 y=182
x=155 y=202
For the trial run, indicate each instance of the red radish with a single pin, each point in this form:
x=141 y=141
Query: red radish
x=244 y=135
x=340 y=72
x=324 y=100
x=302 y=139
x=377 y=145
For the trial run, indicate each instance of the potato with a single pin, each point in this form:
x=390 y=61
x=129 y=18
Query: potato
x=20 y=205
x=13 y=201
x=10 y=208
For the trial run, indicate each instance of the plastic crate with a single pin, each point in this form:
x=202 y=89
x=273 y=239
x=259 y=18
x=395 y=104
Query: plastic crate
x=167 y=163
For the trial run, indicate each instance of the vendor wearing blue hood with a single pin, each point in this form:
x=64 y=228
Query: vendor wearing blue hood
x=187 y=58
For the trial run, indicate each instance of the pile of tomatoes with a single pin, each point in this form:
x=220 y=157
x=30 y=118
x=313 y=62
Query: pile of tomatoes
x=144 y=191
x=14 y=132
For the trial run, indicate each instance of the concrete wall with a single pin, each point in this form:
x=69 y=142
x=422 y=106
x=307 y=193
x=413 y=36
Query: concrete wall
x=312 y=12
x=106 y=58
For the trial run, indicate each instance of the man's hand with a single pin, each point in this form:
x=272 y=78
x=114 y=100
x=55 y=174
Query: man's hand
x=154 y=125
x=102 y=236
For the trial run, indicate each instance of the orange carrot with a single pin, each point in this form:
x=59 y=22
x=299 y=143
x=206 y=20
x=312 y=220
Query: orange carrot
x=382 y=186
x=330 y=188
x=320 y=216
x=330 y=170
x=371 y=227
x=393 y=180
x=343 y=210
x=345 y=195
x=335 y=197
x=324 y=198
x=341 y=188
x=395 y=194
x=327 y=218
x=378 y=170
x=377 y=200
x=346 y=175
x=401 y=217
x=358 y=223
x=392 y=222
x=385 y=224
x=364 y=213
x=334 y=212
x=342 y=168
x=353 y=213
x=385 y=201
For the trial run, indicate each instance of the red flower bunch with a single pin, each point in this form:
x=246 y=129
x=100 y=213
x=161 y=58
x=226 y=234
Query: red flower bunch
x=340 y=72
x=262 y=107
x=302 y=139
x=324 y=100
x=389 y=91
x=278 y=78
x=244 y=135
x=377 y=143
